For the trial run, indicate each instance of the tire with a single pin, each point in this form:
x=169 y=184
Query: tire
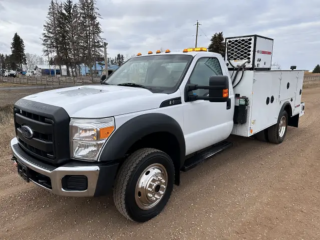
x=277 y=133
x=144 y=166
x=262 y=136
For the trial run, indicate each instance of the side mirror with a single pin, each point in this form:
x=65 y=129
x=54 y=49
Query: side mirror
x=103 y=77
x=218 y=90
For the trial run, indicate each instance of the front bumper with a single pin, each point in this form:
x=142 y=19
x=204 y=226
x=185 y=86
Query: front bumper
x=99 y=177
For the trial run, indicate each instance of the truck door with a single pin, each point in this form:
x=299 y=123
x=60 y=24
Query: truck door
x=206 y=123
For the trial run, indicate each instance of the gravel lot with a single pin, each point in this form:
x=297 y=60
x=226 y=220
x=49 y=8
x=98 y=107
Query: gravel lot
x=253 y=190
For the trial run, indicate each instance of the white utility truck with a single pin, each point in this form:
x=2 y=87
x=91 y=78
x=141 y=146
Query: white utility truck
x=157 y=115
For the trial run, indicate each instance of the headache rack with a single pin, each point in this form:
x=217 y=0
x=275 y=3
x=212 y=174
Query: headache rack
x=254 y=51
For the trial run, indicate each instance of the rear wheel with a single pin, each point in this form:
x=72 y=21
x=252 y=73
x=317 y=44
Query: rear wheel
x=144 y=184
x=277 y=133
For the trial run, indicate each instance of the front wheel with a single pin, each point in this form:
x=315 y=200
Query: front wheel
x=144 y=184
x=277 y=133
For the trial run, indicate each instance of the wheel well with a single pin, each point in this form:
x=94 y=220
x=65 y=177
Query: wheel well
x=165 y=142
x=292 y=121
x=288 y=109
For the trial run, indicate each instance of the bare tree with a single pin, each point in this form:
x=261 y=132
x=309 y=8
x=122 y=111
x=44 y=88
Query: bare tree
x=32 y=61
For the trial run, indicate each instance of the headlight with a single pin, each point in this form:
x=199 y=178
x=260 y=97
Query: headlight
x=87 y=137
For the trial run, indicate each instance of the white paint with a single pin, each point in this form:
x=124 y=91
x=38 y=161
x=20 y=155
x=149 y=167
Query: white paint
x=203 y=123
x=258 y=86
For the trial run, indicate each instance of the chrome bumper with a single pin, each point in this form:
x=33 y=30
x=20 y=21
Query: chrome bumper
x=56 y=174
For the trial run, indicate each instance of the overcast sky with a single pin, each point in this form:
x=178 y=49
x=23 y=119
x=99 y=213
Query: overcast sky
x=132 y=26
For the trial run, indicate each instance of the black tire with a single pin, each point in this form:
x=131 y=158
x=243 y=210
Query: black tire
x=274 y=135
x=124 y=194
x=262 y=136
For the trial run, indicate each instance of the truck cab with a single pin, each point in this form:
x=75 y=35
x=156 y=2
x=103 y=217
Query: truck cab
x=157 y=115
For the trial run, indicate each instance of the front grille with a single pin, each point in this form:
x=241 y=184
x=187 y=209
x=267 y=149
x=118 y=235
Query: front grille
x=41 y=145
x=50 y=127
x=36 y=150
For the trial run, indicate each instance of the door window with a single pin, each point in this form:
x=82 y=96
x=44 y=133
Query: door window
x=204 y=69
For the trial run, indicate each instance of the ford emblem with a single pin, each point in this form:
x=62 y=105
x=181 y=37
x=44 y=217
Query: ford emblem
x=26 y=132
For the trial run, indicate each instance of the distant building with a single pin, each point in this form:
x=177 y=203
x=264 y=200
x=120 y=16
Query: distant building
x=51 y=70
x=85 y=70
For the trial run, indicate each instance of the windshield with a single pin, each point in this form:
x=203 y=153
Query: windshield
x=162 y=73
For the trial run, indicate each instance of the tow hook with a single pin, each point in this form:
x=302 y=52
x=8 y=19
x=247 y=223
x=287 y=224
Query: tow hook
x=14 y=159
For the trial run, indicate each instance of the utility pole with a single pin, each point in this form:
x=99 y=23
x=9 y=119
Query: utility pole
x=197 y=33
x=105 y=59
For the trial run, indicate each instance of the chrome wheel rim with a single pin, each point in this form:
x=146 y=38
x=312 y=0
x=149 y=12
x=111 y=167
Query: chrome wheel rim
x=282 y=126
x=151 y=186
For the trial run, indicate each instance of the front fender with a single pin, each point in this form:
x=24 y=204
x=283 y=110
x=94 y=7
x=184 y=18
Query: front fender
x=135 y=129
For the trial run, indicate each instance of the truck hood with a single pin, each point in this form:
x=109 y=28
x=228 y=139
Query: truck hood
x=99 y=101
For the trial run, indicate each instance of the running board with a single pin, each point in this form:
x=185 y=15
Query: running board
x=202 y=156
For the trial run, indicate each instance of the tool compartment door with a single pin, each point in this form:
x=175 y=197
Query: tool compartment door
x=265 y=100
x=288 y=88
x=289 y=92
x=298 y=94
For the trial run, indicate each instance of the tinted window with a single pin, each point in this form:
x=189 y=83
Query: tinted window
x=204 y=69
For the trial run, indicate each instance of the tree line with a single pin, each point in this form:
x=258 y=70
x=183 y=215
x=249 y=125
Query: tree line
x=72 y=34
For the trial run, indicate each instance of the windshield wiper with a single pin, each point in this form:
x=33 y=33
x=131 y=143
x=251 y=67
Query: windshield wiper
x=132 y=85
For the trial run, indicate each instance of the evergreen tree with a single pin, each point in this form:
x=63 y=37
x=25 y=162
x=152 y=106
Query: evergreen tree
x=92 y=41
x=119 y=59
x=217 y=44
x=51 y=61
x=49 y=35
x=2 y=61
x=316 y=69
x=17 y=48
x=9 y=63
x=63 y=40
x=72 y=34
x=76 y=38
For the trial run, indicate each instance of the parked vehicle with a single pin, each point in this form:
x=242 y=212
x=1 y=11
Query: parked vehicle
x=12 y=73
x=29 y=73
x=157 y=115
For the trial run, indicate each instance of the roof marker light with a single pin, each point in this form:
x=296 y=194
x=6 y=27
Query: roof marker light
x=198 y=49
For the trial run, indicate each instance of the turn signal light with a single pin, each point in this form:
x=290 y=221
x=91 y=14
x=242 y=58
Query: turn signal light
x=150 y=52
x=225 y=93
x=106 y=132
